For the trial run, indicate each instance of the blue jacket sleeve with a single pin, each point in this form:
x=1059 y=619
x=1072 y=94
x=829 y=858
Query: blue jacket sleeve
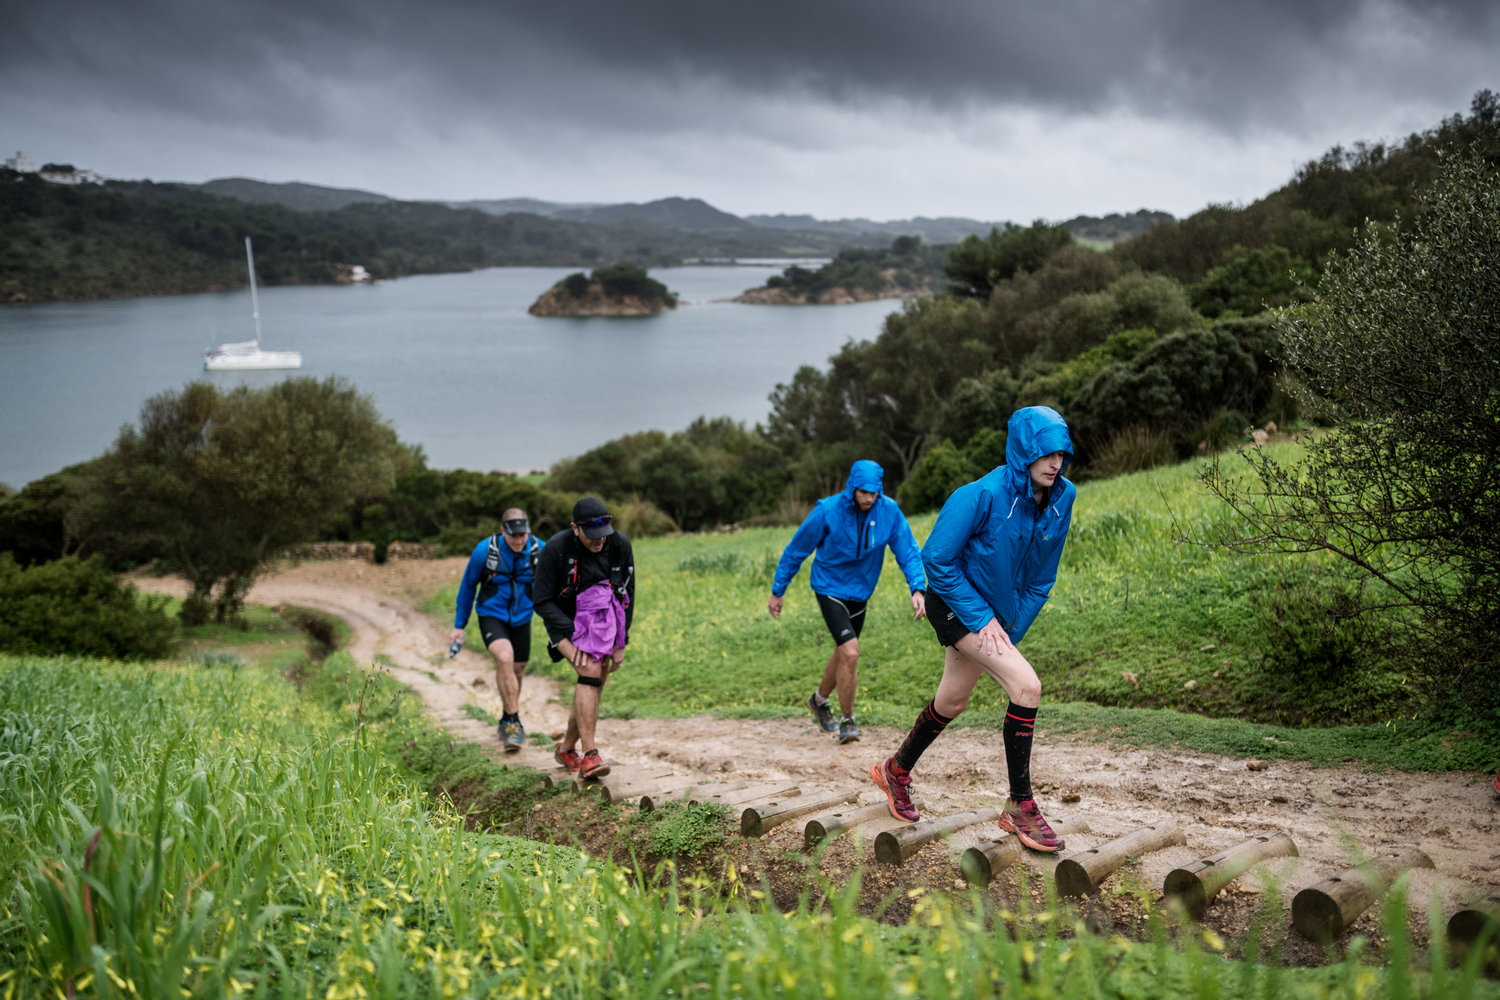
x=908 y=556
x=960 y=518
x=1033 y=597
x=808 y=535
x=469 y=585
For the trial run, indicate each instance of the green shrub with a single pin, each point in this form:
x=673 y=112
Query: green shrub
x=1135 y=448
x=1173 y=386
x=1262 y=279
x=1324 y=661
x=74 y=606
x=624 y=278
x=640 y=518
x=685 y=829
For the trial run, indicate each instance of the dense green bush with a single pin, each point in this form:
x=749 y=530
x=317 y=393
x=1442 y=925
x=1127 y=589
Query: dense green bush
x=625 y=279
x=1401 y=351
x=715 y=472
x=911 y=266
x=944 y=468
x=1175 y=385
x=1262 y=279
x=976 y=265
x=78 y=607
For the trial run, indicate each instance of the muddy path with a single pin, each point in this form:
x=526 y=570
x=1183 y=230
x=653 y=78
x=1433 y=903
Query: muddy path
x=1217 y=801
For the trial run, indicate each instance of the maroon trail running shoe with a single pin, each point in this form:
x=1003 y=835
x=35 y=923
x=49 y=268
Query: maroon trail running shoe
x=593 y=766
x=897 y=791
x=1024 y=819
x=569 y=759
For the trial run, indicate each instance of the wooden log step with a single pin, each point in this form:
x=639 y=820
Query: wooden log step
x=1080 y=873
x=626 y=791
x=755 y=793
x=830 y=824
x=1465 y=927
x=893 y=847
x=692 y=793
x=624 y=774
x=1324 y=911
x=760 y=818
x=1196 y=885
x=981 y=864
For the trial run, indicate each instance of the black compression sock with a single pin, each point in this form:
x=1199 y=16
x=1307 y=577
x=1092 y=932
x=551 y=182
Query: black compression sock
x=510 y=716
x=1019 y=722
x=928 y=727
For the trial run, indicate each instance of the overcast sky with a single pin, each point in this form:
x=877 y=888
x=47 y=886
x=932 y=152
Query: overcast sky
x=880 y=108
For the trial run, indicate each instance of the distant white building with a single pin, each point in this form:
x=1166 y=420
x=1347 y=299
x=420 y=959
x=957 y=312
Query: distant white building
x=21 y=163
x=72 y=176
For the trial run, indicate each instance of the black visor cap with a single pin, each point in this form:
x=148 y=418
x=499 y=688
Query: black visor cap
x=517 y=526
x=592 y=516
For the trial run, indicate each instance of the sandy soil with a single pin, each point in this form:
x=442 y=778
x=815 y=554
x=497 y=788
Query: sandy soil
x=1217 y=801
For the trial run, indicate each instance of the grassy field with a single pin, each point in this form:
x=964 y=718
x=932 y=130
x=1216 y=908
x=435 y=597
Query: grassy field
x=1140 y=621
x=205 y=830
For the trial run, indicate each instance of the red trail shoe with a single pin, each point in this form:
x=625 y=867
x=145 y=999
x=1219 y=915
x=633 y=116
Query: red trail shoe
x=593 y=766
x=1024 y=819
x=897 y=791
x=569 y=759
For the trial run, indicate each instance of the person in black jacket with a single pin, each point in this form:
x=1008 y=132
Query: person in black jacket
x=589 y=551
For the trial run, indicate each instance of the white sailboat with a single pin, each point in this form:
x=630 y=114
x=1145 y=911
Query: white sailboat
x=247 y=355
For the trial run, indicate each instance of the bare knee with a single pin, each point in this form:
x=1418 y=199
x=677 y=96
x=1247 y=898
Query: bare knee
x=952 y=709
x=849 y=653
x=1029 y=692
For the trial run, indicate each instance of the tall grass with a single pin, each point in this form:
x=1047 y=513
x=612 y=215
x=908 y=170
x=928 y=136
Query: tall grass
x=182 y=832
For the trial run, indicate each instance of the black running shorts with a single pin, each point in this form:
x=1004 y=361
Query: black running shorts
x=944 y=622
x=519 y=636
x=845 y=618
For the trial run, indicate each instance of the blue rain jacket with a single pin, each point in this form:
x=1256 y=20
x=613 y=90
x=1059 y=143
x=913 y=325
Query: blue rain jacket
x=992 y=553
x=851 y=543
x=508 y=597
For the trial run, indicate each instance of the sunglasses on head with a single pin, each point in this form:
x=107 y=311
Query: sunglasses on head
x=596 y=522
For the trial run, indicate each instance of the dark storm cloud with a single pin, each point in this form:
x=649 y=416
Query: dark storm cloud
x=272 y=63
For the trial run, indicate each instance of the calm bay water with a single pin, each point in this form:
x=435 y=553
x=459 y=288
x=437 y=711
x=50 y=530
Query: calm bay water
x=452 y=360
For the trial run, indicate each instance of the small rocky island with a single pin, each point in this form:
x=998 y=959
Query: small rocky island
x=858 y=275
x=616 y=290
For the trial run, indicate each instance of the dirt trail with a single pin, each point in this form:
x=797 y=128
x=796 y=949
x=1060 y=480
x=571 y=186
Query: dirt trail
x=1454 y=817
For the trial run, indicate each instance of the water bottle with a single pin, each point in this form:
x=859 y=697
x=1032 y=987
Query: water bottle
x=457 y=645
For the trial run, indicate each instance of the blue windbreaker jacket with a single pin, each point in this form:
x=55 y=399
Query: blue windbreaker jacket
x=992 y=553
x=851 y=543
x=510 y=602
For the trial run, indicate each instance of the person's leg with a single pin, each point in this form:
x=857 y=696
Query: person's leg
x=843 y=664
x=830 y=675
x=520 y=638
x=505 y=675
x=585 y=717
x=960 y=675
x=1013 y=673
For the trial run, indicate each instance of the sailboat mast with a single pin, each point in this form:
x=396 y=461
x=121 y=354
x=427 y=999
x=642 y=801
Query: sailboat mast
x=254 y=299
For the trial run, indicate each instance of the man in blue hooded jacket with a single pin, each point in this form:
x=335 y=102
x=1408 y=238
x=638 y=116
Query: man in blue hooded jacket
x=850 y=532
x=498 y=580
x=991 y=561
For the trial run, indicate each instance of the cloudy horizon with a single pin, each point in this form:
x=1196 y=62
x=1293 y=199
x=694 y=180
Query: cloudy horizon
x=875 y=109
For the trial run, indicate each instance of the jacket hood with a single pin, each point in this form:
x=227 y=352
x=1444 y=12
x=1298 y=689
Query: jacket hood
x=865 y=475
x=1035 y=431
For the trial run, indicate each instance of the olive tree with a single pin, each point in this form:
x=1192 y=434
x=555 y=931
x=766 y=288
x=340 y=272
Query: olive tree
x=215 y=483
x=1401 y=352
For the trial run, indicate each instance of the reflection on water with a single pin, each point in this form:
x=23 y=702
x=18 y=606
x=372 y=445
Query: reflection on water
x=452 y=360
